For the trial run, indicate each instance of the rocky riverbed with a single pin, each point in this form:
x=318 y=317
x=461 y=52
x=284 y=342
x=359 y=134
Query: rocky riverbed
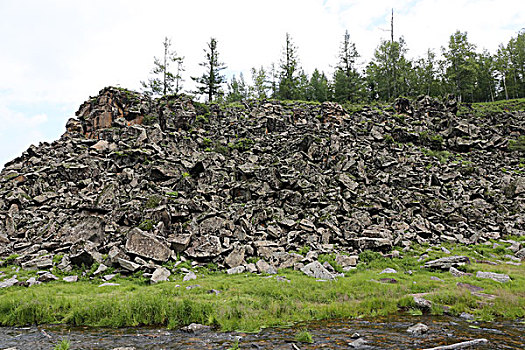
x=378 y=333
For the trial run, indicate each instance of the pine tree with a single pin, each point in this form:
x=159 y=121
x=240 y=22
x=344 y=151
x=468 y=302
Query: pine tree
x=165 y=81
x=259 y=90
x=347 y=81
x=289 y=72
x=237 y=90
x=318 y=88
x=211 y=80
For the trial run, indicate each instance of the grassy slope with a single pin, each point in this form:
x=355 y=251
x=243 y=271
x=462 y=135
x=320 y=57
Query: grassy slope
x=249 y=302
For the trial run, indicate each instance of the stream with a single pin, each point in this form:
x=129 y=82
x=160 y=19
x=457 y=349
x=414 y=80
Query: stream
x=379 y=333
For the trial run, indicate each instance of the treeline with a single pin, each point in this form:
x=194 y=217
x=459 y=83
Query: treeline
x=461 y=70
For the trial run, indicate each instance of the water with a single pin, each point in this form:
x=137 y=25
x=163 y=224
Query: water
x=380 y=333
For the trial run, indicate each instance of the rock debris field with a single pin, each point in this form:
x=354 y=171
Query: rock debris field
x=135 y=183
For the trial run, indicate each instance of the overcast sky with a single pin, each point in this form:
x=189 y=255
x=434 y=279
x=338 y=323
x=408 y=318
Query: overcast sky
x=54 y=54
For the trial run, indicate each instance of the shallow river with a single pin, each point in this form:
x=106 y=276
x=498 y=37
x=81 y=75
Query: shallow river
x=380 y=333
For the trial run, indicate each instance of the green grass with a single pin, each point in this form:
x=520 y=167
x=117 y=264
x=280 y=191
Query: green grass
x=249 y=302
x=484 y=109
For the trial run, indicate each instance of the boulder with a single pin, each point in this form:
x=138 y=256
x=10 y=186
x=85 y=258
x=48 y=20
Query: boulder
x=161 y=274
x=316 y=270
x=498 y=277
x=147 y=246
x=447 y=262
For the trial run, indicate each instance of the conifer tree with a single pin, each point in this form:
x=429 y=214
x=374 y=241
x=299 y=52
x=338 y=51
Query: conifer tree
x=210 y=82
x=289 y=72
x=165 y=81
x=259 y=89
x=237 y=90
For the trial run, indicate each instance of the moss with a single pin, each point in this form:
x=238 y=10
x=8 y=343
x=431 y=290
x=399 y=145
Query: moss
x=153 y=202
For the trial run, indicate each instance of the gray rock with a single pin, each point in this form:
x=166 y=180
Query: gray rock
x=316 y=270
x=161 y=274
x=8 y=282
x=447 y=262
x=47 y=277
x=498 y=277
x=31 y=282
x=422 y=303
x=195 y=328
x=346 y=261
x=418 y=329
x=109 y=284
x=128 y=265
x=70 y=279
x=236 y=270
x=147 y=246
x=388 y=270
x=359 y=344
x=457 y=273
x=520 y=254
x=264 y=267
x=190 y=276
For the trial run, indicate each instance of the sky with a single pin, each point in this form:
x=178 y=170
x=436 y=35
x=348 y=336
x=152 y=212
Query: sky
x=55 y=54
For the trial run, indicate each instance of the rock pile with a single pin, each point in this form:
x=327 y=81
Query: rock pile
x=136 y=182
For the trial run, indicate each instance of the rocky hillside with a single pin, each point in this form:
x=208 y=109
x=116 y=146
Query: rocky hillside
x=136 y=182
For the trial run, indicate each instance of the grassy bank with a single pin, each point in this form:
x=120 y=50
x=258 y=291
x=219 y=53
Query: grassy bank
x=248 y=302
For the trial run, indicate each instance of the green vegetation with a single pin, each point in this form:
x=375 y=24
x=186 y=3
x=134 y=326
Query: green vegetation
x=486 y=109
x=153 y=202
x=248 y=302
x=517 y=145
x=304 y=337
x=63 y=345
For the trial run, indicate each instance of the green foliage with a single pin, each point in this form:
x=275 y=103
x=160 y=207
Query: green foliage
x=242 y=144
x=201 y=119
x=517 y=145
x=153 y=202
x=249 y=302
x=235 y=345
x=63 y=345
x=304 y=337
x=165 y=81
x=146 y=225
x=57 y=258
x=210 y=82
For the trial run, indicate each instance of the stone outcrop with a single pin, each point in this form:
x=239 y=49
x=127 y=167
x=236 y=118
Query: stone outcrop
x=137 y=181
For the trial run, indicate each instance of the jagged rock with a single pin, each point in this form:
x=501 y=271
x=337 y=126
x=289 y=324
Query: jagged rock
x=447 y=262
x=236 y=257
x=269 y=178
x=205 y=247
x=161 y=274
x=128 y=265
x=316 y=270
x=346 y=261
x=498 y=277
x=147 y=246
x=47 y=277
x=457 y=273
x=264 y=267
